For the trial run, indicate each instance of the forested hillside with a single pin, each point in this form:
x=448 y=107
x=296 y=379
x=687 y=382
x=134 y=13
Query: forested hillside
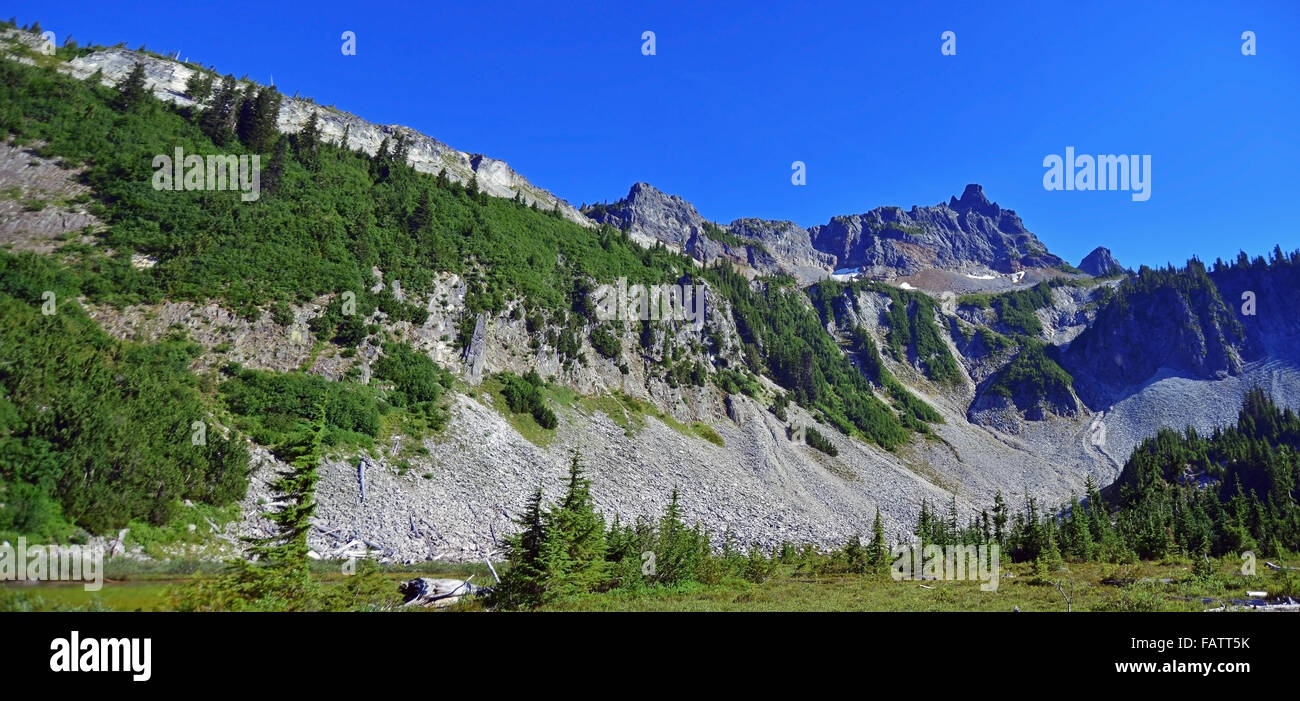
x=326 y=216
x=872 y=385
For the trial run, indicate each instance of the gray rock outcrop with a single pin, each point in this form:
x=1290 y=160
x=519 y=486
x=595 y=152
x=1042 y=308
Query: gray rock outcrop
x=1100 y=263
x=964 y=233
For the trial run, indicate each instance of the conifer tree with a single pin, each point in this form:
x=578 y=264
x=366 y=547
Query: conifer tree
x=574 y=546
x=422 y=215
x=131 y=89
x=274 y=176
x=218 y=120
x=258 y=119
x=524 y=583
x=855 y=559
x=380 y=164
x=199 y=87
x=306 y=143
x=877 y=550
x=758 y=567
x=276 y=576
x=1000 y=520
x=676 y=548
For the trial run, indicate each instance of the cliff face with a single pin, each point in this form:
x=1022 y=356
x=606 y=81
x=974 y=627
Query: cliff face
x=966 y=233
x=1162 y=320
x=765 y=247
x=167 y=78
x=651 y=215
x=788 y=243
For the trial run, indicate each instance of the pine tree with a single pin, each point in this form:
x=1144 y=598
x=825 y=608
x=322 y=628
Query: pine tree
x=922 y=529
x=380 y=164
x=525 y=582
x=131 y=89
x=676 y=548
x=624 y=546
x=199 y=87
x=422 y=215
x=401 y=152
x=258 y=119
x=276 y=575
x=274 y=176
x=758 y=566
x=877 y=550
x=855 y=559
x=951 y=531
x=1076 y=534
x=574 y=546
x=1000 y=520
x=306 y=143
x=218 y=120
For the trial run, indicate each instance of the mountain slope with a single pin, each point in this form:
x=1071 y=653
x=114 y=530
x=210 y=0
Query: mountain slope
x=923 y=397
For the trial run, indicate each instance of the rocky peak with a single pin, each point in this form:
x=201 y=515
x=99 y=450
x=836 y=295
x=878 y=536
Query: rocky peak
x=1100 y=263
x=965 y=232
x=650 y=214
x=789 y=244
x=972 y=198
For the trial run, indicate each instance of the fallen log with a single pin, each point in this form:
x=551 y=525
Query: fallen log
x=437 y=593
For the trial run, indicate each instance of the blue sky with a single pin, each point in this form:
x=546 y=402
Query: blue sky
x=858 y=91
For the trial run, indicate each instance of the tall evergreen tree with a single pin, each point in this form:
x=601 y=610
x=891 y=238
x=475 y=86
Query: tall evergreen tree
x=422 y=215
x=276 y=575
x=218 y=120
x=878 y=550
x=306 y=143
x=199 y=87
x=274 y=176
x=574 y=547
x=131 y=89
x=258 y=119
x=525 y=582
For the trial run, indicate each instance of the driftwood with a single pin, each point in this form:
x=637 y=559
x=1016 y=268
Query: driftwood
x=361 y=477
x=437 y=593
x=114 y=546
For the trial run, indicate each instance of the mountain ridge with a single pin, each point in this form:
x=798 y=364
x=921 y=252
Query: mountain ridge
x=907 y=386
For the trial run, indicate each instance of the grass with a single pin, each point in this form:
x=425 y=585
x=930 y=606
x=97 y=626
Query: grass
x=492 y=389
x=628 y=412
x=152 y=585
x=623 y=410
x=134 y=586
x=1019 y=587
x=162 y=541
x=706 y=432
